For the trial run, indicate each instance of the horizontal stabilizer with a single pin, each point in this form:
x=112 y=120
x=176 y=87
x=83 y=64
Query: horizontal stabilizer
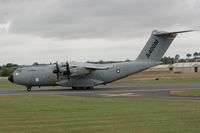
x=163 y=33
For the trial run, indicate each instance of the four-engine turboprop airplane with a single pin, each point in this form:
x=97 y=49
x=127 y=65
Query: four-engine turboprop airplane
x=86 y=75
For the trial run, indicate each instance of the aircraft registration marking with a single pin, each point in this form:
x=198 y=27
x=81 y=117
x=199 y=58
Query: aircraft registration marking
x=153 y=46
x=119 y=95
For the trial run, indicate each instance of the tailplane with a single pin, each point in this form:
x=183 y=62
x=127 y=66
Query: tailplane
x=157 y=45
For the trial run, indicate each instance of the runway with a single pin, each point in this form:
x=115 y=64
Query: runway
x=144 y=92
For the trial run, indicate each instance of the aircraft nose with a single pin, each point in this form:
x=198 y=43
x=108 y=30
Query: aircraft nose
x=10 y=78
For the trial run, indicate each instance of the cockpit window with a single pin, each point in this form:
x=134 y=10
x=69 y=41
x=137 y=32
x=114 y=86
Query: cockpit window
x=19 y=70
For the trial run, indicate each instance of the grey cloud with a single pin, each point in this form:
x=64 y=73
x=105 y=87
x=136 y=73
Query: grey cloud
x=98 y=19
x=50 y=30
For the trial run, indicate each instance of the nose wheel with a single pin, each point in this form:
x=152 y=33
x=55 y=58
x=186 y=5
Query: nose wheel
x=28 y=88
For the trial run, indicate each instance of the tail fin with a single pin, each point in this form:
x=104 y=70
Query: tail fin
x=157 y=45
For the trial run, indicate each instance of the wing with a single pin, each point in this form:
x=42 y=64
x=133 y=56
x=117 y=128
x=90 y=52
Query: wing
x=90 y=66
x=78 y=69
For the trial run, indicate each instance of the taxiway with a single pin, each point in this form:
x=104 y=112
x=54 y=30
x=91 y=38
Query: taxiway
x=144 y=92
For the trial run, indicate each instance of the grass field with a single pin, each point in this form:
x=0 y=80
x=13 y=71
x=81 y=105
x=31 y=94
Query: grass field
x=59 y=114
x=190 y=93
x=4 y=83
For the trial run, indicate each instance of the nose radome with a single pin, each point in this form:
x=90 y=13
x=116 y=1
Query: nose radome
x=10 y=78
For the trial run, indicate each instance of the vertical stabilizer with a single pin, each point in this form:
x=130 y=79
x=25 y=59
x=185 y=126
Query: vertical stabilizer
x=157 y=45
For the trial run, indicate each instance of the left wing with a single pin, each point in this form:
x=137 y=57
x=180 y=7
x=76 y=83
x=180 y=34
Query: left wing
x=90 y=66
x=78 y=68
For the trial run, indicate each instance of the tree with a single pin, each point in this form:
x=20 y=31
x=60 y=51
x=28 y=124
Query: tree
x=168 y=60
x=196 y=54
x=11 y=65
x=177 y=57
x=182 y=60
x=35 y=63
x=188 y=56
x=6 y=71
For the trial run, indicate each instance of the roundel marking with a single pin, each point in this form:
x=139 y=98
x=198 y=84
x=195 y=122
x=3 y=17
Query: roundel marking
x=118 y=70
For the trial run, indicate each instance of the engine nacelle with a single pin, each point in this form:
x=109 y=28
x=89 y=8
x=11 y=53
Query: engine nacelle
x=79 y=71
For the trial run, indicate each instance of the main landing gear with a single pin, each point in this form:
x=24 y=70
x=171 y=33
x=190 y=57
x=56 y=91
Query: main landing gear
x=28 y=88
x=83 y=88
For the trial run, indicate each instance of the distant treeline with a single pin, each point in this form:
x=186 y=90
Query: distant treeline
x=195 y=57
x=7 y=69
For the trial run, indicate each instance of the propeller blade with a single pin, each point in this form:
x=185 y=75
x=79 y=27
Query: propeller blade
x=68 y=73
x=57 y=71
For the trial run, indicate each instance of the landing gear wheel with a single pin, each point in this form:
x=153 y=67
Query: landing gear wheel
x=83 y=88
x=89 y=88
x=28 y=89
x=73 y=88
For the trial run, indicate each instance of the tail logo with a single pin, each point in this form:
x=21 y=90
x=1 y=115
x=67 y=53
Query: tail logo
x=171 y=37
x=153 y=46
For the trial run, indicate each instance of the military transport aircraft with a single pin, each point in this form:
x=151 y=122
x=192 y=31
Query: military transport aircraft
x=85 y=75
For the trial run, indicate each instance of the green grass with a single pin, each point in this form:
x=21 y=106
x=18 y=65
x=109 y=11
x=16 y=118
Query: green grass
x=59 y=114
x=4 y=83
x=191 y=93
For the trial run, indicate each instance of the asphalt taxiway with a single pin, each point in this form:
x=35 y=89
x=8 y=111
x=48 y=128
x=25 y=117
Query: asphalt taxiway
x=144 y=92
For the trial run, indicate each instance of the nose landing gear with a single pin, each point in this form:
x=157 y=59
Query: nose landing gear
x=28 y=88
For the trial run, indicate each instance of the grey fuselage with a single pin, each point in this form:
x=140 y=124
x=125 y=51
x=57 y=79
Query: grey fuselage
x=42 y=75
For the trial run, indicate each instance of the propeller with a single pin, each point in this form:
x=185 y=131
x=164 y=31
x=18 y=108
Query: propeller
x=57 y=70
x=67 y=71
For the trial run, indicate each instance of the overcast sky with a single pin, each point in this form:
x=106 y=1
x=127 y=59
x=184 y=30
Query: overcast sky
x=80 y=30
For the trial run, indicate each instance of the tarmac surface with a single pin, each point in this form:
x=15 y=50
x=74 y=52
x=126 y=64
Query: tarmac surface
x=144 y=92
